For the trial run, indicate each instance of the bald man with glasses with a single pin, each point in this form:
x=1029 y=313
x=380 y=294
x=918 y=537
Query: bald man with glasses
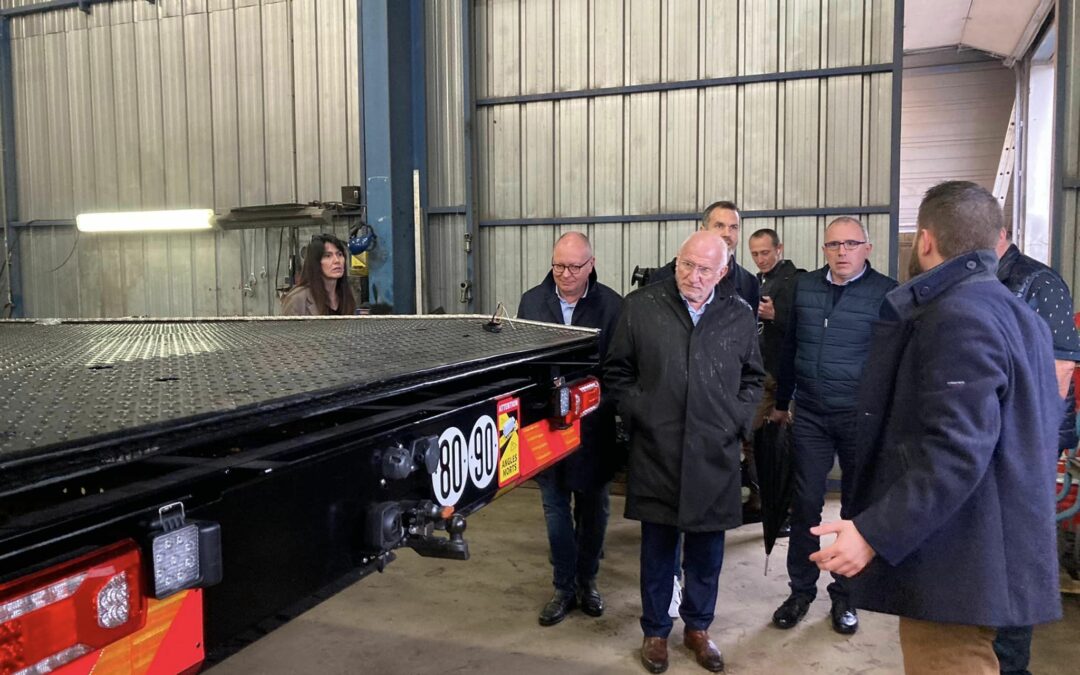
x=575 y=491
x=685 y=371
x=825 y=349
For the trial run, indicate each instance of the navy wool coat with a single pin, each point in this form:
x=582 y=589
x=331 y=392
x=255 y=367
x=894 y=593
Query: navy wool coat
x=596 y=461
x=958 y=421
x=686 y=394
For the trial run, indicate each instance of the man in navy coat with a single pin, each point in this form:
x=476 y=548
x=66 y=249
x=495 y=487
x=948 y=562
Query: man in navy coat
x=575 y=491
x=953 y=497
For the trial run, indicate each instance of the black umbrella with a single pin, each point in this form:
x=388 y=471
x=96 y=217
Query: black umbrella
x=773 y=456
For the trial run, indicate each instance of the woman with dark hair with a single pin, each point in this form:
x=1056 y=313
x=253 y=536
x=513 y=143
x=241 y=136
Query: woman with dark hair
x=323 y=289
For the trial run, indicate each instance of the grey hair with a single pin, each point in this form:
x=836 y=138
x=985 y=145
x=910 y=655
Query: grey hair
x=853 y=221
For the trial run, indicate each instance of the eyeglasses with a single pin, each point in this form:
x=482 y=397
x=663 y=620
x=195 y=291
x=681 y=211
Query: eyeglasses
x=689 y=268
x=849 y=245
x=559 y=268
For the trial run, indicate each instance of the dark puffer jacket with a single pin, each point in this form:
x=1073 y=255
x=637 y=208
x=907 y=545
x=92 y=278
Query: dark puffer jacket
x=830 y=341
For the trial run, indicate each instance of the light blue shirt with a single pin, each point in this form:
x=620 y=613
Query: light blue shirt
x=567 y=308
x=695 y=314
x=828 y=276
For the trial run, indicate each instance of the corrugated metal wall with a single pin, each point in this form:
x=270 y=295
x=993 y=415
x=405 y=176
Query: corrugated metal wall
x=802 y=143
x=182 y=103
x=1067 y=209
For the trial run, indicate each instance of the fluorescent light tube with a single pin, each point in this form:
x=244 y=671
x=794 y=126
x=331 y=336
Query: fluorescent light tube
x=146 y=221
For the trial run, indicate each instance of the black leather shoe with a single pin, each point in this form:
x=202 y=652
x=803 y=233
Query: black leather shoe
x=592 y=603
x=844 y=619
x=792 y=611
x=556 y=609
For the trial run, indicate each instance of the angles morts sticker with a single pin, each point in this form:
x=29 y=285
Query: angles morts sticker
x=508 y=425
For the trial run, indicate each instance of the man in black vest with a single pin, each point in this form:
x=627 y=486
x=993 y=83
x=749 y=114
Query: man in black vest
x=571 y=295
x=723 y=218
x=1042 y=289
x=825 y=349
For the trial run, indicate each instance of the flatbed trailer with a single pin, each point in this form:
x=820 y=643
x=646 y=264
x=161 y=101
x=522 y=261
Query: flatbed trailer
x=170 y=487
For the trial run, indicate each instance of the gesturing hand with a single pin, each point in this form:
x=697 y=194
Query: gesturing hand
x=848 y=554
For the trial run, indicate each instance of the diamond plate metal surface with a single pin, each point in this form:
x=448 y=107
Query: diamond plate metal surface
x=69 y=383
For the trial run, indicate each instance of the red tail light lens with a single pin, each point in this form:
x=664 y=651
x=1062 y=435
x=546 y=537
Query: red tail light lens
x=574 y=401
x=55 y=616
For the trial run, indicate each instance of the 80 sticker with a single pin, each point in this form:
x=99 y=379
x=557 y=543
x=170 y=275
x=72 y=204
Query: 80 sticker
x=463 y=459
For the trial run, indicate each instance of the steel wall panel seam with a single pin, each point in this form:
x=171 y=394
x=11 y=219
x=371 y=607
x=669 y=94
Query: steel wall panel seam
x=693 y=215
x=820 y=73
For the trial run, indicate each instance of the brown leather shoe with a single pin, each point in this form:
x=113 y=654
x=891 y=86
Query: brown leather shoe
x=705 y=650
x=654 y=654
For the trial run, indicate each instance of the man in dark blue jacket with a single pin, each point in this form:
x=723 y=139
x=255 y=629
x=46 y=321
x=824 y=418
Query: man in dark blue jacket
x=825 y=350
x=571 y=295
x=952 y=511
x=1043 y=290
x=723 y=218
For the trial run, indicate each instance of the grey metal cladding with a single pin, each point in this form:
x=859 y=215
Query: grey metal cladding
x=797 y=132
x=182 y=103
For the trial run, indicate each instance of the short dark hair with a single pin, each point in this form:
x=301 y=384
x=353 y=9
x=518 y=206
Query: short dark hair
x=962 y=215
x=722 y=204
x=767 y=232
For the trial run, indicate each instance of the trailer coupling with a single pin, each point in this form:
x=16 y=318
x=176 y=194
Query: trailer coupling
x=412 y=523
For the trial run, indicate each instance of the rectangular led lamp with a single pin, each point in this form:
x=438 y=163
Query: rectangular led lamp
x=146 y=221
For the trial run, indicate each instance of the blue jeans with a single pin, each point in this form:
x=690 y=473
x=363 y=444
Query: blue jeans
x=818 y=439
x=1013 y=649
x=703 y=556
x=575 y=531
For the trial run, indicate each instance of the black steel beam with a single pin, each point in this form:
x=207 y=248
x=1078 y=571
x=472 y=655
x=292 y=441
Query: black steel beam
x=1061 y=182
x=894 y=142
x=470 y=283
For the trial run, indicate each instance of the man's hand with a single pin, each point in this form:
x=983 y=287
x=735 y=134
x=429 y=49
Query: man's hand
x=780 y=416
x=765 y=309
x=848 y=555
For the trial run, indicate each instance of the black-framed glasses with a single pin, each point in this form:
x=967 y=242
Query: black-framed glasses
x=559 y=268
x=848 y=244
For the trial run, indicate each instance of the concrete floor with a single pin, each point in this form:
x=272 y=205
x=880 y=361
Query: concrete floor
x=434 y=616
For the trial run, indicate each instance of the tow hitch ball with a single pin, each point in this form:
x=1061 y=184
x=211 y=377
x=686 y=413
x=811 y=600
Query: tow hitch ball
x=413 y=523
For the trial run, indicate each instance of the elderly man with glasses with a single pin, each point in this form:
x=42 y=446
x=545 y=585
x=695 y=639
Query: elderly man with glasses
x=825 y=349
x=684 y=370
x=575 y=491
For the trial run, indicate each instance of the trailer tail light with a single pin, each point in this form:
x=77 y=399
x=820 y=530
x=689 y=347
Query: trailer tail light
x=55 y=616
x=576 y=400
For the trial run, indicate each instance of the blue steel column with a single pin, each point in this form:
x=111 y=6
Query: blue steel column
x=386 y=81
x=10 y=182
x=419 y=130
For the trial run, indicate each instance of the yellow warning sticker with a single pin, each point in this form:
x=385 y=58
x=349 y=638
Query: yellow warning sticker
x=509 y=449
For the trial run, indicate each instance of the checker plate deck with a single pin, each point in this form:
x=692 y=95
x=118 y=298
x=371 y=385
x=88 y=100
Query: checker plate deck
x=90 y=383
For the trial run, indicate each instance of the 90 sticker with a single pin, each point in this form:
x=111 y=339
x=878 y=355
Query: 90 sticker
x=462 y=459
